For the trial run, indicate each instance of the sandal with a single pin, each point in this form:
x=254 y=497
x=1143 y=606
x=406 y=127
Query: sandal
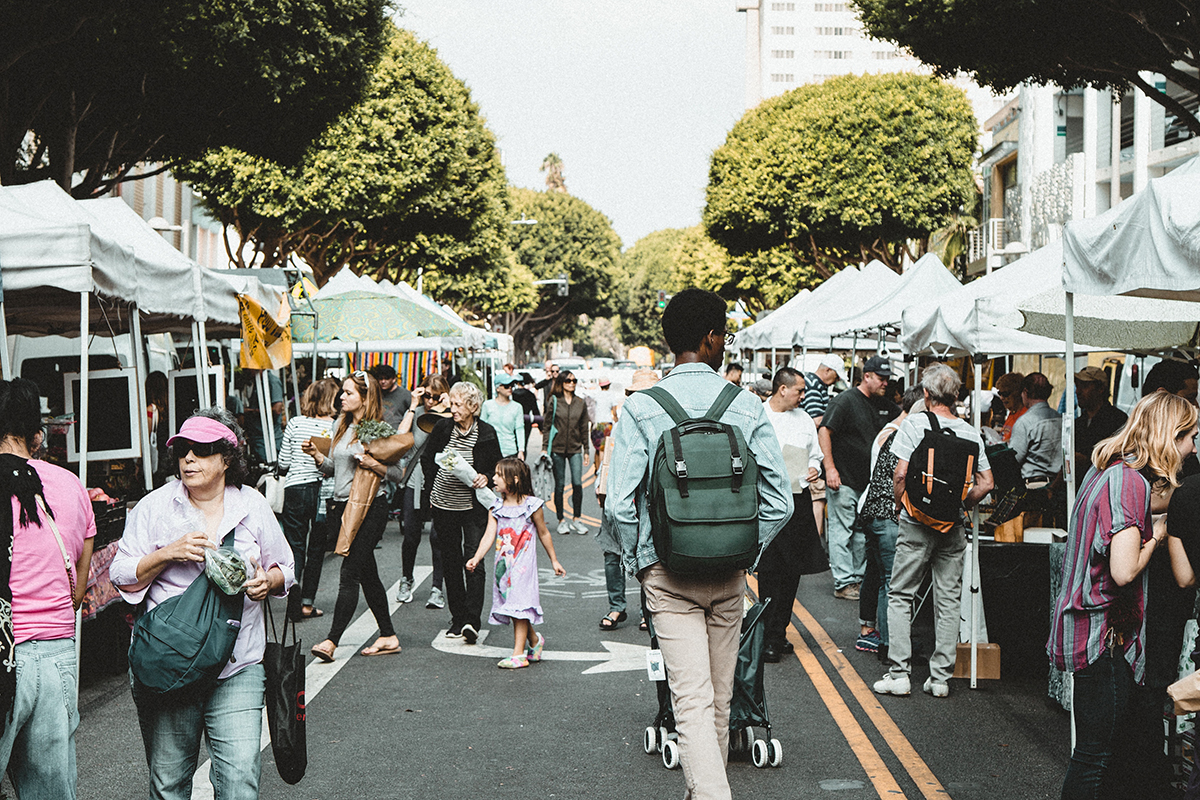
x=309 y=612
x=642 y=626
x=609 y=623
x=378 y=650
x=322 y=653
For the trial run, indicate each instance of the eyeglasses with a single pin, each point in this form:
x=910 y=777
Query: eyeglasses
x=570 y=380
x=728 y=338
x=1004 y=395
x=181 y=447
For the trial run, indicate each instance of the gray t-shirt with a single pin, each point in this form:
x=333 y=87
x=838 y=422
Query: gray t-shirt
x=914 y=428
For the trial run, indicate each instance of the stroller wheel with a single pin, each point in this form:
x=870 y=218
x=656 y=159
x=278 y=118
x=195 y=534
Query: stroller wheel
x=758 y=752
x=650 y=740
x=775 y=752
x=663 y=736
x=670 y=754
x=741 y=740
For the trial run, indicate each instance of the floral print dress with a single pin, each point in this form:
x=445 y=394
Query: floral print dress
x=515 y=584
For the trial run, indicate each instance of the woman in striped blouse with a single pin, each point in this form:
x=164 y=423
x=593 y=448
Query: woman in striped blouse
x=1098 y=628
x=301 y=494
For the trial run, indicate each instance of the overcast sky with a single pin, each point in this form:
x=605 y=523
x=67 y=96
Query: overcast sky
x=634 y=96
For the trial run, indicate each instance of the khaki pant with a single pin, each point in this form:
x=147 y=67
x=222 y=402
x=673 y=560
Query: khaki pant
x=698 y=621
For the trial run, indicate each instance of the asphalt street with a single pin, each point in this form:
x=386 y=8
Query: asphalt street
x=439 y=720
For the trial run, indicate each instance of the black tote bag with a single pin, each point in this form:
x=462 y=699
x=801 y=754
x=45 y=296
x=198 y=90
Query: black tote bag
x=284 y=665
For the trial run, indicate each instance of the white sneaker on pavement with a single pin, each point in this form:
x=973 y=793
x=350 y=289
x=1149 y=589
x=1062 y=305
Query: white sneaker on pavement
x=436 y=599
x=405 y=595
x=580 y=528
x=898 y=685
x=936 y=688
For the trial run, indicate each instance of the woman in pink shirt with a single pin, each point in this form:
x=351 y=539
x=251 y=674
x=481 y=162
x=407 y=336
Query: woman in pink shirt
x=48 y=525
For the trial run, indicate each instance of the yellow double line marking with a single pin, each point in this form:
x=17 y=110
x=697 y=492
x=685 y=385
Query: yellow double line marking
x=881 y=778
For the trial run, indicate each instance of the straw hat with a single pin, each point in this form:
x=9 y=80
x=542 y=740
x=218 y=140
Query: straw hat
x=642 y=379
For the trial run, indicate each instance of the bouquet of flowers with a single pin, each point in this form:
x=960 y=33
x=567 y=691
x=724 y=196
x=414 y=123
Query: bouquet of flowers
x=453 y=463
x=363 y=488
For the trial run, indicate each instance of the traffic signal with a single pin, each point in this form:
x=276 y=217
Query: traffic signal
x=662 y=299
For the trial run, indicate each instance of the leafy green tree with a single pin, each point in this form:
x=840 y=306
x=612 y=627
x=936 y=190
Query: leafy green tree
x=1099 y=43
x=648 y=268
x=90 y=88
x=570 y=238
x=407 y=182
x=764 y=279
x=855 y=168
x=552 y=165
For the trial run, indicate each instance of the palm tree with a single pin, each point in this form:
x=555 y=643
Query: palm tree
x=552 y=165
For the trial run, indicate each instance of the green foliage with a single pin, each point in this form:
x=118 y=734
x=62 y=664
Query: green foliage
x=97 y=86
x=1002 y=44
x=764 y=279
x=844 y=171
x=647 y=267
x=408 y=180
x=570 y=238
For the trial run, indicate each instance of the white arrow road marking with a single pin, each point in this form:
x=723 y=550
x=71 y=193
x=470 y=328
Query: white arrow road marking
x=319 y=674
x=620 y=657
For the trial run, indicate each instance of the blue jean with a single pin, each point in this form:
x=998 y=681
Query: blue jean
x=230 y=718
x=1100 y=700
x=560 y=462
x=847 y=545
x=38 y=746
x=881 y=551
x=614 y=580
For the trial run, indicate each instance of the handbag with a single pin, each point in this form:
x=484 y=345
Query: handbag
x=180 y=646
x=272 y=488
x=284 y=665
x=1185 y=693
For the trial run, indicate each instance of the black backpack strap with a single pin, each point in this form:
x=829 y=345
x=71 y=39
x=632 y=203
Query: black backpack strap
x=680 y=464
x=668 y=403
x=724 y=401
x=736 y=455
x=227 y=542
x=933 y=423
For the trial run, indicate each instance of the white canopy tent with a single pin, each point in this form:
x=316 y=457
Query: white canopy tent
x=927 y=278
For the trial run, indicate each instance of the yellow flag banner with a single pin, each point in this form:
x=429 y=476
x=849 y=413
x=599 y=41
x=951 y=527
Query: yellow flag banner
x=266 y=343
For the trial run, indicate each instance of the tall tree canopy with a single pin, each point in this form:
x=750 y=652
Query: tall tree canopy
x=408 y=180
x=552 y=165
x=1100 y=43
x=855 y=168
x=570 y=238
x=93 y=87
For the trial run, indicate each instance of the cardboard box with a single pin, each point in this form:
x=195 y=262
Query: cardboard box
x=1011 y=531
x=987 y=664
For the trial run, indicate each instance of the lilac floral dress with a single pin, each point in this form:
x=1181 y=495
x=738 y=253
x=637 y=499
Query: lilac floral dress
x=515 y=587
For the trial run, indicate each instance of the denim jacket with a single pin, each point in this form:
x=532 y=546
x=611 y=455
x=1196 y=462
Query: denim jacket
x=695 y=387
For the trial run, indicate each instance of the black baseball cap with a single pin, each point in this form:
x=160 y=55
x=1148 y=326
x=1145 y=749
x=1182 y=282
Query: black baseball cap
x=879 y=365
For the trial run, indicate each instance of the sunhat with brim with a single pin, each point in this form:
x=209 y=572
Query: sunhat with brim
x=504 y=379
x=203 y=429
x=642 y=379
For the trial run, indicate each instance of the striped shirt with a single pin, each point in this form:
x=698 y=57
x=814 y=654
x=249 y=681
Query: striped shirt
x=449 y=493
x=816 y=395
x=301 y=468
x=1090 y=601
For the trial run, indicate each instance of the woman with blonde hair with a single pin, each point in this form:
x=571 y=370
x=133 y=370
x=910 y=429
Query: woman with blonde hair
x=1098 y=628
x=458 y=517
x=361 y=400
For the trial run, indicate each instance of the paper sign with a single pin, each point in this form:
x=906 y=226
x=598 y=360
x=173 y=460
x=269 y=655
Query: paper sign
x=266 y=343
x=656 y=670
x=796 y=461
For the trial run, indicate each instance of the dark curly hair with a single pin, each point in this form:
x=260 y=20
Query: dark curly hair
x=20 y=411
x=237 y=467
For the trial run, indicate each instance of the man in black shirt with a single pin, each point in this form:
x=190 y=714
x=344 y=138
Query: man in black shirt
x=848 y=428
x=1098 y=419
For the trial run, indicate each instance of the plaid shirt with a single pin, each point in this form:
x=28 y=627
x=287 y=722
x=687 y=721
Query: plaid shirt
x=1090 y=602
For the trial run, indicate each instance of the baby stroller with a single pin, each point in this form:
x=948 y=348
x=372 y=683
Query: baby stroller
x=747 y=709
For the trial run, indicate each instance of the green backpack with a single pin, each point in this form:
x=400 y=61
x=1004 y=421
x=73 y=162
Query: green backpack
x=180 y=646
x=703 y=491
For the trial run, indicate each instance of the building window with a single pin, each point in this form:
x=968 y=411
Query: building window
x=783 y=6
x=819 y=7
x=780 y=30
x=782 y=77
x=836 y=31
x=836 y=54
x=885 y=55
x=783 y=54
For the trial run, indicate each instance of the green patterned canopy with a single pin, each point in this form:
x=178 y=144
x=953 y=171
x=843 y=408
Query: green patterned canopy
x=359 y=316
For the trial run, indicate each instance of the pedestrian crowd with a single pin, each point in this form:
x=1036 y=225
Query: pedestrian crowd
x=870 y=484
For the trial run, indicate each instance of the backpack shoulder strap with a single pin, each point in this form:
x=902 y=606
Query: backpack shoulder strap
x=722 y=403
x=933 y=423
x=668 y=403
x=227 y=542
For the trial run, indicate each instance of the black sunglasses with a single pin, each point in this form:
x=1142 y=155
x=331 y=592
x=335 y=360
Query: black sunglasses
x=181 y=447
x=570 y=380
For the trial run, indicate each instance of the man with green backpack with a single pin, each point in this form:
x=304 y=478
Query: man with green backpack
x=697 y=489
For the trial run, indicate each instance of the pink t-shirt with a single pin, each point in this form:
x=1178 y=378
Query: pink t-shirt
x=41 y=593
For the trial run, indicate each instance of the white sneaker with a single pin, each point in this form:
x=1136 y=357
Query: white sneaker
x=936 y=688
x=564 y=526
x=469 y=634
x=405 y=594
x=436 y=599
x=893 y=684
x=579 y=527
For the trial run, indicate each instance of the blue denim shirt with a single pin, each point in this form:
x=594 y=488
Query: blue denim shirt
x=695 y=387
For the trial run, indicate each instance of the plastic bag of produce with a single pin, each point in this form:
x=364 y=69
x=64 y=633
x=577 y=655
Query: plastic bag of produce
x=227 y=569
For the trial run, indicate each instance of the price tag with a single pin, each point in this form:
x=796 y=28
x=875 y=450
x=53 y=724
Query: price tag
x=656 y=670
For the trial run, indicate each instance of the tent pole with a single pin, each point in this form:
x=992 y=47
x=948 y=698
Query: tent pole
x=295 y=387
x=1069 y=417
x=316 y=321
x=853 y=356
x=977 y=421
x=196 y=358
x=202 y=364
x=139 y=365
x=6 y=367
x=81 y=419
x=264 y=415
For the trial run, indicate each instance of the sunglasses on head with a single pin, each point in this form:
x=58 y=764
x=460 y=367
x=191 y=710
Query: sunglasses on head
x=182 y=447
x=358 y=373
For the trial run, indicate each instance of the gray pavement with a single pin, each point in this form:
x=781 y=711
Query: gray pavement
x=442 y=723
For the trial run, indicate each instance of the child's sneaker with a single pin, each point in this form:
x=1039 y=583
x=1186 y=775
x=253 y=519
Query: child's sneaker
x=513 y=662
x=869 y=642
x=534 y=652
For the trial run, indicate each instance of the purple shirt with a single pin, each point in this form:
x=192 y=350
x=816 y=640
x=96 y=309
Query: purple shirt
x=1090 y=601
x=165 y=515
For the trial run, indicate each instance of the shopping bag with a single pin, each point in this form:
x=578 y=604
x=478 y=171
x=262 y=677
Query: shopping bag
x=1185 y=693
x=363 y=489
x=272 y=488
x=284 y=665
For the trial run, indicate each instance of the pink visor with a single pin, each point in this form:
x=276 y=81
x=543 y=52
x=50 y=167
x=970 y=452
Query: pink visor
x=203 y=429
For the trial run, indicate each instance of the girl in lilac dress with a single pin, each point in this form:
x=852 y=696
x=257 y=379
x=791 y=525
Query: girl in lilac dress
x=513 y=520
